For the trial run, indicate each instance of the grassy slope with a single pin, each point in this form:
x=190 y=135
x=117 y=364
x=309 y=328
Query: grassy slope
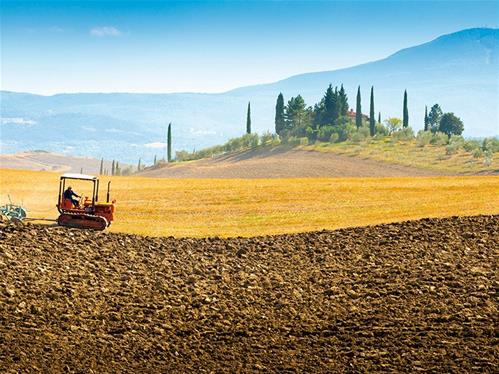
x=208 y=207
x=410 y=154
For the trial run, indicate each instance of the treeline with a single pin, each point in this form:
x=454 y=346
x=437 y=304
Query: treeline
x=116 y=169
x=246 y=141
x=331 y=120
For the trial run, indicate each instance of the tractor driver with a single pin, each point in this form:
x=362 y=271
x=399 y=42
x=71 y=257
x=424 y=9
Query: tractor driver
x=68 y=194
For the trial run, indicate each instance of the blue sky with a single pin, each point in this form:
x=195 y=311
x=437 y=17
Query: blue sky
x=209 y=46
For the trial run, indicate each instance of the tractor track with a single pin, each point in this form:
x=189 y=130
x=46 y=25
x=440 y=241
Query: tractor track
x=410 y=296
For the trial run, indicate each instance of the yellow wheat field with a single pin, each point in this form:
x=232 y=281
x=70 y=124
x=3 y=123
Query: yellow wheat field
x=248 y=207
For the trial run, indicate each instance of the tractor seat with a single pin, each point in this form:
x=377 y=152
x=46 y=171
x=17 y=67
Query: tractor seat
x=66 y=204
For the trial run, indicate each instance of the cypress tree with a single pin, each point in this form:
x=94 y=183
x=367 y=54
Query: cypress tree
x=379 y=117
x=342 y=102
x=336 y=106
x=405 y=120
x=248 y=119
x=329 y=107
x=139 y=165
x=113 y=168
x=169 y=143
x=81 y=170
x=280 y=122
x=155 y=160
x=372 y=121
x=358 y=111
x=426 y=121
x=117 y=170
x=101 y=170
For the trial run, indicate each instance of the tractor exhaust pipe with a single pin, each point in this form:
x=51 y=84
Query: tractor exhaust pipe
x=108 y=188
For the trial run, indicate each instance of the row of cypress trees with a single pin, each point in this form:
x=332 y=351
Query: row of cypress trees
x=333 y=105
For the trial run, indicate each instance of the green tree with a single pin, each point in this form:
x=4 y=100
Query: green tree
x=280 y=121
x=330 y=107
x=358 y=110
x=169 y=143
x=117 y=170
x=318 y=115
x=248 y=119
x=113 y=168
x=342 y=100
x=139 y=166
x=155 y=160
x=296 y=113
x=379 y=117
x=451 y=124
x=405 y=120
x=372 y=121
x=393 y=124
x=426 y=120
x=101 y=170
x=434 y=117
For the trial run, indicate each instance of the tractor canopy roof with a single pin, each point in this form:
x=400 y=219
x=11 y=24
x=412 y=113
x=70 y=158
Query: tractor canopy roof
x=78 y=176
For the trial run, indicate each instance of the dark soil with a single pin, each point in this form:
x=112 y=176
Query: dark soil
x=411 y=296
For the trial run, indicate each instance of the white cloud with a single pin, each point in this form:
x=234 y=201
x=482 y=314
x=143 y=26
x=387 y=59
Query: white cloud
x=201 y=132
x=155 y=145
x=105 y=31
x=17 y=121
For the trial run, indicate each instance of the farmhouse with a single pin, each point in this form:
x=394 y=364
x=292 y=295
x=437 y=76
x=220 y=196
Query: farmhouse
x=351 y=114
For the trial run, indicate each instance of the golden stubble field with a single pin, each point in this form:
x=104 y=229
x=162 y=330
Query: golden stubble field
x=249 y=207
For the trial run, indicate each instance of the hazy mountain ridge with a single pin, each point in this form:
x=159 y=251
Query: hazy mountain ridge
x=457 y=70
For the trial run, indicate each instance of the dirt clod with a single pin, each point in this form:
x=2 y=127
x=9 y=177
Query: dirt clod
x=411 y=296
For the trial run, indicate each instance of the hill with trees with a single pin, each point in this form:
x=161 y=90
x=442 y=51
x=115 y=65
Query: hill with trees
x=459 y=71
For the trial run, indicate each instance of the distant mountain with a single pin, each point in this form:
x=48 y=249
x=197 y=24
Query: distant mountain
x=459 y=71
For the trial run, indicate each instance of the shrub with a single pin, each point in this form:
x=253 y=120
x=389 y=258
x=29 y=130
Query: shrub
x=344 y=131
x=404 y=134
x=451 y=148
x=270 y=139
x=488 y=158
x=303 y=141
x=233 y=145
x=358 y=137
x=334 y=138
x=381 y=130
x=276 y=140
x=439 y=138
x=423 y=138
x=311 y=133
x=364 y=131
x=325 y=132
x=491 y=144
x=471 y=145
x=456 y=139
x=293 y=140
x=455 y=143
x=477 y=153
x=250 y=141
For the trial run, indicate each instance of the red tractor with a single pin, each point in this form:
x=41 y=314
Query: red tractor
x=87 y=213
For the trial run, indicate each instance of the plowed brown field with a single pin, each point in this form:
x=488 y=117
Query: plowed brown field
x=410 y=296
